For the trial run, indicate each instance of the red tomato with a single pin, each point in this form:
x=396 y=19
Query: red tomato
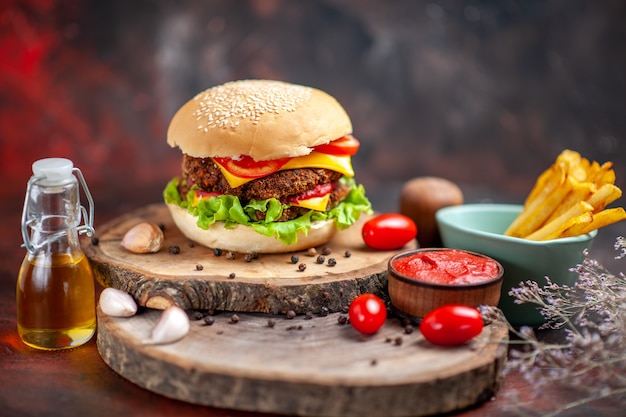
x=367 y=313
x=319 y=190
x=347 y=145
x=246 y=167
x=388 y=231
x=452 y=324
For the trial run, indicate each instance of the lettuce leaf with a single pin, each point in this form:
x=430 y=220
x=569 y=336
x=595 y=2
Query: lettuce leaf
x=229 y=210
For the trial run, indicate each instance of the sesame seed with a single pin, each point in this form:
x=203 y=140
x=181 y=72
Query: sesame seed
x=226 y=105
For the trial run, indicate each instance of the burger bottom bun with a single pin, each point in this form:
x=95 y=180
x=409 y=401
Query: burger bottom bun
x=244 y=238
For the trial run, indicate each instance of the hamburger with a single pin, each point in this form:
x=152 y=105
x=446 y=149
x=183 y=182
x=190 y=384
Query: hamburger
x=266 y=168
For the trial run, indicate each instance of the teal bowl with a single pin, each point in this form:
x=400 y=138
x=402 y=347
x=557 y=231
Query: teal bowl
x=480 y=228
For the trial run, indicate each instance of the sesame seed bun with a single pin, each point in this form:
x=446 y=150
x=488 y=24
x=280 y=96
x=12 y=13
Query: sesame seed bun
x=260 y=118
x=244 y=238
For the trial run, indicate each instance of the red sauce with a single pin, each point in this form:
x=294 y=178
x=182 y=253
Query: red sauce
x=447 y=267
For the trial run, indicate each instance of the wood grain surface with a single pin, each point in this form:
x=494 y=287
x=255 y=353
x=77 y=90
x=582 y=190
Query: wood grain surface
x=195 y=278
x=305 y=366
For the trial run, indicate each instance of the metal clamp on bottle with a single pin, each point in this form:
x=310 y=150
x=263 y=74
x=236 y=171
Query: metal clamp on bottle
x=54 y=172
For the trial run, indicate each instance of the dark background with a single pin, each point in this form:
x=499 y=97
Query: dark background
x=485 y=93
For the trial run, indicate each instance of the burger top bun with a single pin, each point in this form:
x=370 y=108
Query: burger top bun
x=260 y=118
x=245 y=239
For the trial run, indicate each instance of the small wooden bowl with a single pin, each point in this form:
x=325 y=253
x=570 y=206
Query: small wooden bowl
x=414 y=297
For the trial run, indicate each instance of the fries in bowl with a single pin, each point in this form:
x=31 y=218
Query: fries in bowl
x=570 y=198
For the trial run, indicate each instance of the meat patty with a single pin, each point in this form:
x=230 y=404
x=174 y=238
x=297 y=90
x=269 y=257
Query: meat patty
x=280 y=185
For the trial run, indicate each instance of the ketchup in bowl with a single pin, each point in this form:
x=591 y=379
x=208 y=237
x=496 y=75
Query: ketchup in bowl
x=424 y=279
x=447 y=267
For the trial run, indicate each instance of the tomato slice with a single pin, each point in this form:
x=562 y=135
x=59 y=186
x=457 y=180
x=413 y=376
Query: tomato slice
x=246 y=167
x=319 y=190
x=347 y=145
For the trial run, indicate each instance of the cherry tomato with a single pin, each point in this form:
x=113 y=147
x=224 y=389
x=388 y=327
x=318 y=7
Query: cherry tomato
x=388 y=231
x=347 y=145
x=367 y=313
x=452 y=324
x=246 y=167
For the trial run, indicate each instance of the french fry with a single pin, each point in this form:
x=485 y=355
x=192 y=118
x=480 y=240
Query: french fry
x=576 y=166
x=607 y=194
x=580 y=191
x=604 y=174
x=560 y=224
x=568 y=199
x=599 y=220
x=578 y=221
x=548 y=182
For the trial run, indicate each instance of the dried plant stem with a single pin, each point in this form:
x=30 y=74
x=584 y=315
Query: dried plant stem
x=583 y=401
x=592 y=316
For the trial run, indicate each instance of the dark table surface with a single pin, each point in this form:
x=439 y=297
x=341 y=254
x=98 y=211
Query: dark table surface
x=77 y=382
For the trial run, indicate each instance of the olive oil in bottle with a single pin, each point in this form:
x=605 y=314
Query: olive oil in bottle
x=55 y=291
x=55 y=302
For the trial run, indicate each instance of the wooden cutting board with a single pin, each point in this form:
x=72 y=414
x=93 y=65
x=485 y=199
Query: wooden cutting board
x=309 y=365
x=195 y=278
x=305 y=367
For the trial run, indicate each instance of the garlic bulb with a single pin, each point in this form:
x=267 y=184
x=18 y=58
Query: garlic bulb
x=117 y=303
x=143 y=238
x=173 y=325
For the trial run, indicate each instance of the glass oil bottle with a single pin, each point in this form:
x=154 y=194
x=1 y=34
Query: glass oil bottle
x=55 y=287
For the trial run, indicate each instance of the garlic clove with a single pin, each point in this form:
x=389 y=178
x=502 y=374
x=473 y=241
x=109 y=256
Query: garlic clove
x=117 y=303
x=143 y=238
x=173 y=325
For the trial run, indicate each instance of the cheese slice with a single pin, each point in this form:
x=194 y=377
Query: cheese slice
x=315 y=203
x=339 y=163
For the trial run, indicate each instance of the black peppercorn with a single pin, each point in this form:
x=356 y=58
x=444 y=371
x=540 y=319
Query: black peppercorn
x=301 y=267
x=332 y=262
x=199 y=267
x=208 y=320
x=175 y=250
x=196 y=315
x=320 y=259
x=95 y=241
x=217 y=252
x=291 y=314
x=347 y=254
x=326 y=250
x=294 y=259
x=234 y=318
x=231 y=275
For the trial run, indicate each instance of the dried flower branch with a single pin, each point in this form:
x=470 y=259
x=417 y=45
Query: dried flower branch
x=592 y=314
